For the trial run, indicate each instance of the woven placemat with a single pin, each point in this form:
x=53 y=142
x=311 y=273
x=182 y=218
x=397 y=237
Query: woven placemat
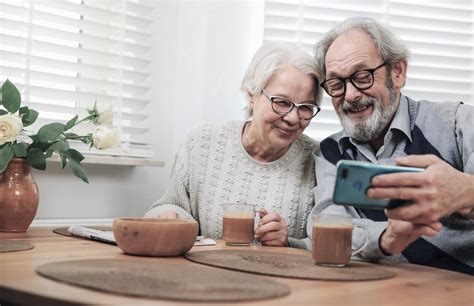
x=63 y=230
x=191 y=283
x=14 y=246
x=287 y=265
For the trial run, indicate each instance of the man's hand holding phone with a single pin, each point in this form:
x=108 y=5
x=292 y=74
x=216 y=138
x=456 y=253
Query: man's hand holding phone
x=437 y=192
x=432 y=193
x=399 y=234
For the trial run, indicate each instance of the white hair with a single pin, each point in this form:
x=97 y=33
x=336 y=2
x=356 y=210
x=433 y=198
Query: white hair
x=390 y=48
x=271 y=57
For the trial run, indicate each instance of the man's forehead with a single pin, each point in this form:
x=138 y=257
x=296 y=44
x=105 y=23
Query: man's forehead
x=352 y=49
x=354 y=40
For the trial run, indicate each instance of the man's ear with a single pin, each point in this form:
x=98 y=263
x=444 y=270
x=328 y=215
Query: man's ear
x=399 y=74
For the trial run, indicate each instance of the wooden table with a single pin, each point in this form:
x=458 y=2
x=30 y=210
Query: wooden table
x=413 y=285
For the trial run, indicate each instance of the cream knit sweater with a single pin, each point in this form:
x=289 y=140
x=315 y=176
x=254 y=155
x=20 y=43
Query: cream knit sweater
x=213 y=168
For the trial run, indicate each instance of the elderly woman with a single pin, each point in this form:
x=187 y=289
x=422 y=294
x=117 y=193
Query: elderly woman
x=265 y=160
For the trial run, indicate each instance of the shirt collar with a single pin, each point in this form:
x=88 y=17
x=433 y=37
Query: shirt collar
x=400 y=122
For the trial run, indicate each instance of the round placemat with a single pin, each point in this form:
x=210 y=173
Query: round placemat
x=192 y=283
x=287 y=265
x=63 y=230
x=14 y=246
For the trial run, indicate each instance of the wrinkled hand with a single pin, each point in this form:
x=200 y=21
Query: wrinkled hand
x=169 y=214
x=436 y=193
x=272 y=229
x=399 y=234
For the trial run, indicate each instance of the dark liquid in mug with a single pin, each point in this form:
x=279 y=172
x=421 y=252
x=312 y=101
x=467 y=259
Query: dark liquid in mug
x=238 y=229
x=332 y=244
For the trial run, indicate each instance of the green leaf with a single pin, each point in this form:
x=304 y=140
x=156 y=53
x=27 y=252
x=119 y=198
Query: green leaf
x=71 y=123
x=43 y=146
x=50 y=132
x=6 y=154
x=59 y=147
x=76 y=155
x=36 y=159
x=84 y=138
x=28 y=116
x=20 y=149
x=71 y=135
x=11 y=98
x=3 y=112
x=63 y=161
x=75 y=158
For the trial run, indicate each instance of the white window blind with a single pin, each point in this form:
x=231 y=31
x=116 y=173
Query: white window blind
x=439 y=34
x=64 y=55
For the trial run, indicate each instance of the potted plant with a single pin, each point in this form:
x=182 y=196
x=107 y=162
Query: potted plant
x=20 y=150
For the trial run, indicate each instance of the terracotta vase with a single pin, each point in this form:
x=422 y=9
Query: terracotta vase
x=19 y=197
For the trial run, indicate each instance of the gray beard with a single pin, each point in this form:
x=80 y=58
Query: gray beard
x=371 y=128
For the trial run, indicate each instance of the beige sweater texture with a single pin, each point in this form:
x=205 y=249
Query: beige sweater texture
x=212 y=168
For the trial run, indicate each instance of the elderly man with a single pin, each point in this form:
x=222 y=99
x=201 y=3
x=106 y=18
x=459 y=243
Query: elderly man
x=365 y=66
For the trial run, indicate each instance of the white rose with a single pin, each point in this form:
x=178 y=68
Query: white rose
x=105 y=137
x=106 y=114
x=10 y=128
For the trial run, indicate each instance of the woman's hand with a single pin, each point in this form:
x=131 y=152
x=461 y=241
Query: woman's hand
x=169 y=214
x=272 y=229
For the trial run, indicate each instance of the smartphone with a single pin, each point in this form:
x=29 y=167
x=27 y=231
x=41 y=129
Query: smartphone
x=353 y=179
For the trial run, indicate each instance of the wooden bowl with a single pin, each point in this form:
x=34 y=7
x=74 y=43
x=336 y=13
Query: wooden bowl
x=155 y=237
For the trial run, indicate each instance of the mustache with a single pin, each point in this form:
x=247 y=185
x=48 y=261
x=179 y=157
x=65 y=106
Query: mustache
x=353 y=106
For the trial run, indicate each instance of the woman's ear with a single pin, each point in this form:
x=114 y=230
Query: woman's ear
x=250 y=100
x=399 y=74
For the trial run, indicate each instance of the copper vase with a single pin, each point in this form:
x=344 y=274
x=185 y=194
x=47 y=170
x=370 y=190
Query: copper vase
x=19 y=197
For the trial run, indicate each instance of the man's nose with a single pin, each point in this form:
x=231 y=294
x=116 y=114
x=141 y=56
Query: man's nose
x=352 y=93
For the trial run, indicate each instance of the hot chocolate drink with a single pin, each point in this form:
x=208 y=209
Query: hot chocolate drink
x=332 y=244
x=238 y=228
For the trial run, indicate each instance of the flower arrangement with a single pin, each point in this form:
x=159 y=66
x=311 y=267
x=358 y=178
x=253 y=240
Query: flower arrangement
x=51 y=138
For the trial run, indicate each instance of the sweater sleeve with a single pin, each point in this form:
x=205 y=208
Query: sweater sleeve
x=465 y=136
x=304 y=243
x=465 y=140
x=176 y=197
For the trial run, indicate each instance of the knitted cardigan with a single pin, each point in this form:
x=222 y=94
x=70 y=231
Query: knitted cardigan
x=212 y=168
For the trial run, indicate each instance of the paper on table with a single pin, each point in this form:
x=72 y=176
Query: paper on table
x=108 y=236
x=93 y=234
x=200 y=240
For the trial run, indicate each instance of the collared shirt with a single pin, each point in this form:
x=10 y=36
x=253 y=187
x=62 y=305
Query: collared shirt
x=418 y=127
x=399 y=130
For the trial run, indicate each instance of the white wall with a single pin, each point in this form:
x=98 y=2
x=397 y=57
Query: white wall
x=203 y=48
x=200 y=52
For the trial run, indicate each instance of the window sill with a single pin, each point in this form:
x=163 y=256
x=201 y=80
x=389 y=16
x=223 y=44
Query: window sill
x=115 y=160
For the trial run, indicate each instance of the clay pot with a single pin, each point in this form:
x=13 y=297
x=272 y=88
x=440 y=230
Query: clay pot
x=19 y=197
x=155 y=237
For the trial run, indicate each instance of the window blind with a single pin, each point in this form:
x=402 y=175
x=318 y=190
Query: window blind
x=439 y=35
x=65 y=55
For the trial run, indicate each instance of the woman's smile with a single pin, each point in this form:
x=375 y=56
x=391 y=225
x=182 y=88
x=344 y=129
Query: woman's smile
x=287 y=132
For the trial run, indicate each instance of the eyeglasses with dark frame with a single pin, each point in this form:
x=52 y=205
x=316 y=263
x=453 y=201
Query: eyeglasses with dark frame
x=283 y=106
x=362 y=80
